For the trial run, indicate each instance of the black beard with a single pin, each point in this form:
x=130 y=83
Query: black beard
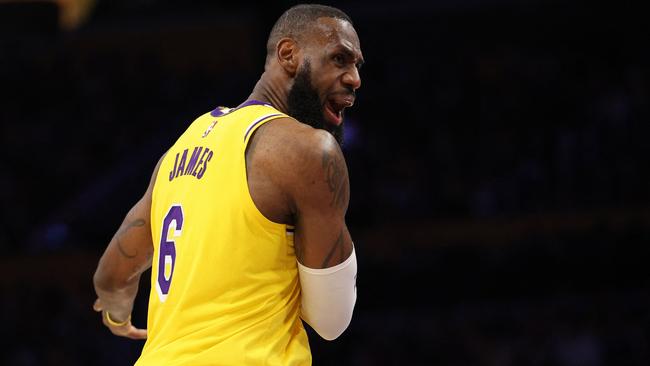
x=304 y=104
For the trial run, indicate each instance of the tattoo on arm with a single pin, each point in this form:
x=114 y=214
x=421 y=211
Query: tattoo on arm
x=336 y=248
x=124 y=230
x=123 y=251
x=336 y=177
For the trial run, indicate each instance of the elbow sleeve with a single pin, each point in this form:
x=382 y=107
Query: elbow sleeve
x=328 y=296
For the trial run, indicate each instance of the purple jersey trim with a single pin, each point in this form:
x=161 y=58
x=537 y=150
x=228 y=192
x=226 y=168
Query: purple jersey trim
x=218 y=112
x=252 y=102
x=260 y=120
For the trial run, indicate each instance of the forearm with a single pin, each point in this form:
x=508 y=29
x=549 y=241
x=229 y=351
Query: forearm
x=127 y=256
x=117 y=278
x=117 y=300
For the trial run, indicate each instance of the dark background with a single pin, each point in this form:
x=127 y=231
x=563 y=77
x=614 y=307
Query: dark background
x=498 y=159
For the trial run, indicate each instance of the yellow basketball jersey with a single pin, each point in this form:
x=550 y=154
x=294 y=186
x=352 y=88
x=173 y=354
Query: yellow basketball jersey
x=224 y=279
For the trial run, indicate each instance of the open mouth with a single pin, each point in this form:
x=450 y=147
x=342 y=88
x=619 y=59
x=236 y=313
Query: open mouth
x=334 y=108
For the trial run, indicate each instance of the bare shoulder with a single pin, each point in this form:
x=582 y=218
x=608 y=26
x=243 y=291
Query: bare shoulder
x=291 y=144
x=303 y=161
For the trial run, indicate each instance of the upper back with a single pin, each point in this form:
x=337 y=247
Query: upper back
x=220 y=266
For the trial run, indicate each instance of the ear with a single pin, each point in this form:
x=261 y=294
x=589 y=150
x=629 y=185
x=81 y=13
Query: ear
x=288 y=55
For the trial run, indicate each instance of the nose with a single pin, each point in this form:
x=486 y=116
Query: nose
x=352 y=79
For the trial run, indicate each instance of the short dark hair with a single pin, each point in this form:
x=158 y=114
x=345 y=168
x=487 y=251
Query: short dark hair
x=299 y=18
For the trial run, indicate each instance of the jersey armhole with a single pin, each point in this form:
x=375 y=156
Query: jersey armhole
x=257 y=123
x=249 y=132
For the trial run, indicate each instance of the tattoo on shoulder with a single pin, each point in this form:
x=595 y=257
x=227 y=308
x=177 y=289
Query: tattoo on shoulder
x=336 y=178
x=337 y=248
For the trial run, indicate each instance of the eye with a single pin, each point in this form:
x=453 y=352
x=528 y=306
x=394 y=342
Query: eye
x=339 y=59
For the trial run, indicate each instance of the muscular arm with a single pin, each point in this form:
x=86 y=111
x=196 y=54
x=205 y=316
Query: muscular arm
x=298 y=175
x=327 y=264
x=321 y=197
x=127 y=256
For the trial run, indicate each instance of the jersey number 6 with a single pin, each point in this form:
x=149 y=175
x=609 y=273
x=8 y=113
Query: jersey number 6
x=172 y=225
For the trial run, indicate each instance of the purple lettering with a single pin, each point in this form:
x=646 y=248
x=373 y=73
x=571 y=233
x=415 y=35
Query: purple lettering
x=200 y=174
x=181 y=164
x=171 y=174
x=193 y=160
x=194 y=172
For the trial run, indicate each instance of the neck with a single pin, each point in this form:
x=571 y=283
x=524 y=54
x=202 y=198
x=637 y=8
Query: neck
x=268 y=90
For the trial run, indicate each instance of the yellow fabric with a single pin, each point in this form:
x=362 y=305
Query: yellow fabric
x=233 y=295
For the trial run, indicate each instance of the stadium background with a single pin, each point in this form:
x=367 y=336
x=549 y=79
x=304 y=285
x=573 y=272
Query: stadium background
x=498 y=159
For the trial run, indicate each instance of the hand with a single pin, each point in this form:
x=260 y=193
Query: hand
x=124 y=329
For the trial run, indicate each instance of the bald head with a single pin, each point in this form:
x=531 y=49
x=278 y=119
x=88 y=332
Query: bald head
x=298 y=21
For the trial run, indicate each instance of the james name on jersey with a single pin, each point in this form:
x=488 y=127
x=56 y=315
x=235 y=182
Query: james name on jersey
x=196 y=166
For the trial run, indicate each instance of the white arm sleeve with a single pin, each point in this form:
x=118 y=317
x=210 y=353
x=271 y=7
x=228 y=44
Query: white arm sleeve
x=328 y=296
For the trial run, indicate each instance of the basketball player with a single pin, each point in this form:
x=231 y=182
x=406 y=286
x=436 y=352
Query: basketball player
x=243 y=223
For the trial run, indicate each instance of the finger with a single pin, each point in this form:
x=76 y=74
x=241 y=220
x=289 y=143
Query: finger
x=97 y=306
x=135 y=333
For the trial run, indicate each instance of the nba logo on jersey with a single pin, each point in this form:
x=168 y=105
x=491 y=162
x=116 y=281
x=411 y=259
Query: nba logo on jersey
x=207 y=131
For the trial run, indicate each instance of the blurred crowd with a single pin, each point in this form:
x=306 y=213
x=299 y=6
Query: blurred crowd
x=462 y=115
x=465 y=119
